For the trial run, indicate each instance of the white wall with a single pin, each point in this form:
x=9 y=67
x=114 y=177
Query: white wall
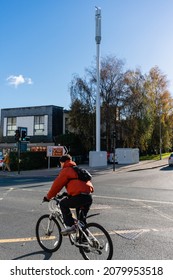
x=27 y=122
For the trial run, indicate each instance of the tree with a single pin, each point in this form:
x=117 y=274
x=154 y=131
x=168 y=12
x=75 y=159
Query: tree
x=113 y=96
x=138 y=107
x=82 y=115
x=136 y=124
x=160 y=106
x=83 y=96
x=72 y=142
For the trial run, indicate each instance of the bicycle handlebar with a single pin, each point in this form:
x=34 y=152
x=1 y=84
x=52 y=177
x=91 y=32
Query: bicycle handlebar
x=60 y=196
x=56 y=198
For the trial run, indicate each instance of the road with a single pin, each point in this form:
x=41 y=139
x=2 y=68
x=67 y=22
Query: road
x=135 y=206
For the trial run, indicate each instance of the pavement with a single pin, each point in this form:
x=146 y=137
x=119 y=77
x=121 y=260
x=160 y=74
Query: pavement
x=142 y=165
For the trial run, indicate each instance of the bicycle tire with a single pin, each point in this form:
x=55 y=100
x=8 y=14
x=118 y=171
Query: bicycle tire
x=48 y=241
x=102 y=247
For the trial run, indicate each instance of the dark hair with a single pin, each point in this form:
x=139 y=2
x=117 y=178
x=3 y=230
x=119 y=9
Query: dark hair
x=64 y=158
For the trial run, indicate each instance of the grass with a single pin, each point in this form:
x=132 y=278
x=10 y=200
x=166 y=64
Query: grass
x=154 y=157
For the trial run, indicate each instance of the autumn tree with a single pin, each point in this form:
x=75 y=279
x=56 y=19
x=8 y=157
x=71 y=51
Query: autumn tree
x=136 y=119
x=160 y=106
x=138 y=107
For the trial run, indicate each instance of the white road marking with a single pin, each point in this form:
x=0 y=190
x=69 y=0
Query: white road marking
x=6 y=193
x=134 y=199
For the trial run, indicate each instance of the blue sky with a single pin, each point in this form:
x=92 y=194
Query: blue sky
x=43 y=43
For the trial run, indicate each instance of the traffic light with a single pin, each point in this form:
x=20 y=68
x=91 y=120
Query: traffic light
x=23 y=136
x=17 y=135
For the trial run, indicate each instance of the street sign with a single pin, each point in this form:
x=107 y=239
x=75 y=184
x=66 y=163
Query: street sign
x=56 y=151
x=65 y=150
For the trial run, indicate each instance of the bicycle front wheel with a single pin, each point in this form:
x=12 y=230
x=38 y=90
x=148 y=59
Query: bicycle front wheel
x=97 y=243
x=48 y=233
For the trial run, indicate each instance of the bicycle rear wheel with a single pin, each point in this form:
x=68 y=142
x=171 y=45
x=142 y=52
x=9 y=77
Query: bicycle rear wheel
x=48 y=233
x=99 y=247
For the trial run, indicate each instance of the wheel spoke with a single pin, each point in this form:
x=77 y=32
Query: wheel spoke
x=99 y=243
x=48 y=233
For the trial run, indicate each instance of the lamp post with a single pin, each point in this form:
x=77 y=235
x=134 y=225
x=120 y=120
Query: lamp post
x=98 y=40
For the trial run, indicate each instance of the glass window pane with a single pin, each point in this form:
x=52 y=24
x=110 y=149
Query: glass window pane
x=11 y=126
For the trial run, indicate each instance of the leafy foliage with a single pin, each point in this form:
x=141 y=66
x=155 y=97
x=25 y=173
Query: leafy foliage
x=138 y=107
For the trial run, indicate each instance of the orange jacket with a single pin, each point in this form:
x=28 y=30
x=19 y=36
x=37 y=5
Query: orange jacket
x=73 y=187
x=6 y=159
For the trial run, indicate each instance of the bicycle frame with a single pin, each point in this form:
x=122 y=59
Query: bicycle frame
x=91 y=238
x=56 y=212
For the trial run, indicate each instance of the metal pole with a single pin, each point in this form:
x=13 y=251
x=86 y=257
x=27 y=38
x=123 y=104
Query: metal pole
x=114 y=137
x=160 y=136
x=98 y=40
x=114 y=156
x=19 y=150
x=48 y=162
x=98 y=102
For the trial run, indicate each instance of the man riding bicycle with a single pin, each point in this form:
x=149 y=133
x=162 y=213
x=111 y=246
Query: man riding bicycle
x=78 y=192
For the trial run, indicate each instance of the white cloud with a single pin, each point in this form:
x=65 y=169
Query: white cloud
x=18 y=80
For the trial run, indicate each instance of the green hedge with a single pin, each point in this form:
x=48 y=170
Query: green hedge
x=37 y=160
x=31 y=160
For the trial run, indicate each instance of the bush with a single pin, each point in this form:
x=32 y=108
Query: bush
x=31 y=160
x=38 y=160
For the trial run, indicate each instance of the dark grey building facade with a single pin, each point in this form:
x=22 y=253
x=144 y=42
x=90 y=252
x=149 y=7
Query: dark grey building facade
x=42 y=123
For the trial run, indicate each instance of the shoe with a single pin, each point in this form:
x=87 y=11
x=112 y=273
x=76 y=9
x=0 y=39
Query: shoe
x=69 y=230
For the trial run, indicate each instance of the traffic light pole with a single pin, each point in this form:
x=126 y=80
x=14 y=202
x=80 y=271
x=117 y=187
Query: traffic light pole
x=18 y=153
x=21 y=137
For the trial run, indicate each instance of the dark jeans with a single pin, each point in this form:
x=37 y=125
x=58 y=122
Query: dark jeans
x=74 y=202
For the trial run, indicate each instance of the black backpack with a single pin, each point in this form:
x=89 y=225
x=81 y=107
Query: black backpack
x=83 y=174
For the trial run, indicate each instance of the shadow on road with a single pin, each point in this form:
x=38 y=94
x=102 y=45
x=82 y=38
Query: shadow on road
x=167 y=168
x=46 y=255
x=149 y=167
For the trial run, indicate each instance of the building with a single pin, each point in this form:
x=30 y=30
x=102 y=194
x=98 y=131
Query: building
x=42 y=124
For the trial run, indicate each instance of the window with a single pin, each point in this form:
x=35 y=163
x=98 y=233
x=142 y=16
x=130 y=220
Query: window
x=11 y=126
x=39 y=125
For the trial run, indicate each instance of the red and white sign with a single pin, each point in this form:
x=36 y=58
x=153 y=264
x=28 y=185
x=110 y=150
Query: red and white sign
x=56 y=151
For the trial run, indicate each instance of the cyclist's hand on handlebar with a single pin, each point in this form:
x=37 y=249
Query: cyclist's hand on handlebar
x=62 y=195
x=45 y=199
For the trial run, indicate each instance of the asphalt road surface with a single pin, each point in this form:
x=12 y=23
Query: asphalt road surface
x=135 y=206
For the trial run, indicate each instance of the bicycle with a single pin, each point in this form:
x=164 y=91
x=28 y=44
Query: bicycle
x=93 y=241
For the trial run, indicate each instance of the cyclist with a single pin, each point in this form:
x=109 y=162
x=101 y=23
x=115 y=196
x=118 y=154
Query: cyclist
x=78 y=192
